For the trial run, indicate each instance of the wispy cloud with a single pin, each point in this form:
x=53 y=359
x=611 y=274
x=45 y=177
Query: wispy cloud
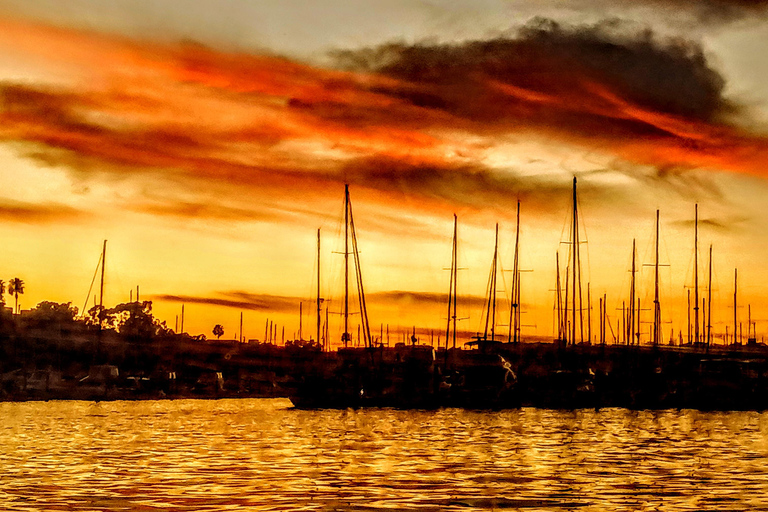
x=34 y=213
x=415 y=298
x=200 y=210
x=283 y=304
x=238 y=300
x=713 y=224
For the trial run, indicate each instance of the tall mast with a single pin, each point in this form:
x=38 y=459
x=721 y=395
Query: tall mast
x=589 y=315
x=624 y=322
x=709 y=299
x=326 y=340
x=101 y=300
x=495 y=273
x=566 y=323
x=318 y=286
x=366 y=326
x=605 y=315
x=689 y=315
x=656 y=304
x=514 y=312
x=455 y=275
x=600 y=323
x=559 y=298
x=575 y=257
x=696 y=277
x=345 y=336
x=631 y=333
x=101 y=288
x=452 y=288
x=491 y=314
x=735 y=290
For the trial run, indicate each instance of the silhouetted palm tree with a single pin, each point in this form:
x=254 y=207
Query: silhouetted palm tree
x=16 y=288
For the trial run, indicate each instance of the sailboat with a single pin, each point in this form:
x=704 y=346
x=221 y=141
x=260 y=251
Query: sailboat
x=570 y=331
x=483 y=342
x=368 y=374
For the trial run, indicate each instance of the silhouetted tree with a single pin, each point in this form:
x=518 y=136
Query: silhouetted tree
x=16 y=288
x=52 y=318
x=218 y=331
x=2 y=291
x=130 y=319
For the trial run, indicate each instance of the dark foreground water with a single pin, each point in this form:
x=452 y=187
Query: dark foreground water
x=264 y=455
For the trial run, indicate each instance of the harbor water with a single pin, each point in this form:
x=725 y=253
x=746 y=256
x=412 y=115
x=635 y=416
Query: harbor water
x=254 y=454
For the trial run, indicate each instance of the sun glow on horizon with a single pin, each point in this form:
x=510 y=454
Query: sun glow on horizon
x=209 y=169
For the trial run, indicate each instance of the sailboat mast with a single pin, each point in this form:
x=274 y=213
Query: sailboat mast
x=624 y=322
x=514 y=312
x=656 y=304
x=589 y=315
x=452 y=290
x=366 y=326
x=101 y=287
x=455 y=275
x=689 y=315
x=493 y=283
x=490 y=314
x=559 y=298
x=709 y=299
x=735 y=290
x=631 y=334
x=318 y=286
x=574 y=254
x=696 y=277
x=345 y=336
x=566 y=323
x=600 y=322
x=605 y=316
x=101 y=300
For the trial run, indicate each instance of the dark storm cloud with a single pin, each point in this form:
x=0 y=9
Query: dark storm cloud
x=551 y=63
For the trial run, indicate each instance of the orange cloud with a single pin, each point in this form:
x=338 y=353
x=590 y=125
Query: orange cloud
x=29 y=213
x=396 y=120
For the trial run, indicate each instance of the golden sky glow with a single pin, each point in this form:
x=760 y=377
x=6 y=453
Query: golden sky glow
x=209 y=160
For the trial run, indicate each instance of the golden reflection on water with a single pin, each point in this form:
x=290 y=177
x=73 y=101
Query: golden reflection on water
x=219 y=455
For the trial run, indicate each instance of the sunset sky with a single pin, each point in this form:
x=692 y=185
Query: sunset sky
x=208 y=140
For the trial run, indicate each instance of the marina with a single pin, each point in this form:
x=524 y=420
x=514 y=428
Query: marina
x=332 y=256
x=125 y=353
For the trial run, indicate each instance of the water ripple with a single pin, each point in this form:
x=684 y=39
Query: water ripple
x=264 y=455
